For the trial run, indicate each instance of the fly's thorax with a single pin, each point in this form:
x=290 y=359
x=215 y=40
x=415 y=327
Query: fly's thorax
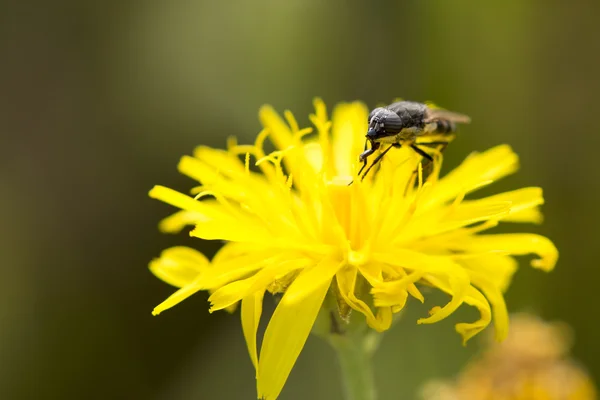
x=389 y=139
x=405 y=135
x=410 y=134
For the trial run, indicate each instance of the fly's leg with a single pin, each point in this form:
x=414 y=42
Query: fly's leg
x=428 y=165
x=364 y=155
x=378 y=159
x=429 y=162
x=444 y=144
x=421 y=152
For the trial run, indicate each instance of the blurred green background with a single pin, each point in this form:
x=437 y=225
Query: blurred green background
x=100 y=99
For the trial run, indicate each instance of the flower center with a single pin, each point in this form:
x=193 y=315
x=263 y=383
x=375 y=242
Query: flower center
x=349 y=207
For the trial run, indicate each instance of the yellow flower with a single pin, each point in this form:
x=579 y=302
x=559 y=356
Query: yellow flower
x=532 y=364
x=298 y=227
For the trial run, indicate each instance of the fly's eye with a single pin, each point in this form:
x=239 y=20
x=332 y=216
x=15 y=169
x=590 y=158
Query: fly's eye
x=393 y=124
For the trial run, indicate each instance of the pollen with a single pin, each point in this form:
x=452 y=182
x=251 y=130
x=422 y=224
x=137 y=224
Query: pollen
x=298 y=221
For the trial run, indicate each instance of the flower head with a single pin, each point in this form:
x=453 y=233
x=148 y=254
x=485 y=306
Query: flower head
x=294 y=223
x=533 y=363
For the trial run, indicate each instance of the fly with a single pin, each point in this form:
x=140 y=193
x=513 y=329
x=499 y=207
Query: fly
x=405 y=122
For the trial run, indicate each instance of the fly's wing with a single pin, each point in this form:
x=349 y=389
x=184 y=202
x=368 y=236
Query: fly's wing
x=410 y=107
x=396 y=106
x=437 y=114
x=394 y=101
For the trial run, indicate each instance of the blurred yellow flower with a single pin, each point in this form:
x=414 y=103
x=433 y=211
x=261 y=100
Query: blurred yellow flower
x=532 y=364
x=298 y=227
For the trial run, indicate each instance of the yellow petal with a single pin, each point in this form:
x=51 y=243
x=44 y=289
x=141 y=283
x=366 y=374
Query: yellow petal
x=528 y=215
x=523 y=204
x=176 y=298
x=217 y=276
x=288 y=143
x=520 y=199
x=496 y=299
x=179 y=266
x=314 y=155
x=224 y=161
x=394 y=293
x=230 y=294
x=216 y=220
x=469 y=329
x=233 y=250
x=439 y=271
x=458 y=292
x=251 y=311
x=512 y=243
x=498 y=268
x=284 y=338
x=323 y=125
x=235 y=291
x=415 y=292
x=432 y=223
x=396 y=298
x=247 y=229
x=348 y=130
x=252 y=191
x=199 y=170
x=241 y=186
x=346 y=280
x=310 y=279
x=176 y=222
x=280 y=133
x=205 y=210
x=236 y=268
x=472 y=297
x=385 y=316
x=476 y=171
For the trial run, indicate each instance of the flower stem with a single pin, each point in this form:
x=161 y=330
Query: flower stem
x=354 y=355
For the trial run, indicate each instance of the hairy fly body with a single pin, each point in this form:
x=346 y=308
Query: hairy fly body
x=405 y=123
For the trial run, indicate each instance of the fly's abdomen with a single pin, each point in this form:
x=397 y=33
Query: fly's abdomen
x=445 y=126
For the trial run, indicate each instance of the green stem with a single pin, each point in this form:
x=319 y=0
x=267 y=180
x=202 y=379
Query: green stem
x=354 y=354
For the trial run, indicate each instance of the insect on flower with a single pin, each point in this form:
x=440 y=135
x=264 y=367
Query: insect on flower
x=294 y=228
x=404 y=123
